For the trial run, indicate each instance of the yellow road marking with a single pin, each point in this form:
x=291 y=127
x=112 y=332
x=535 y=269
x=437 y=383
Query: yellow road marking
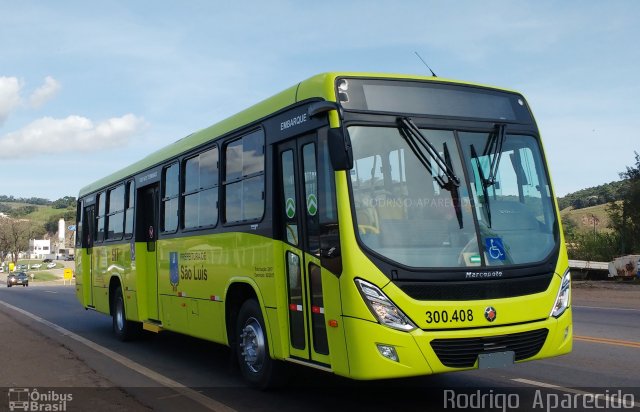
x=608 y=341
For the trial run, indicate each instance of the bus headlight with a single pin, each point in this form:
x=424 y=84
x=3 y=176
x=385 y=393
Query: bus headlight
x=563 y=300
x=382 y=308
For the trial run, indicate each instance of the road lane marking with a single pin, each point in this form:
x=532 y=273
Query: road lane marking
x=602 y=307
x=608 y=341
x=570 y=390
x=203 y=400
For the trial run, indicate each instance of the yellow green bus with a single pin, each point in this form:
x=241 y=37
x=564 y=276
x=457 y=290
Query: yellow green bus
x=368 y=225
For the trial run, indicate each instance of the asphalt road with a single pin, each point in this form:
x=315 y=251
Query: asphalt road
x=605 y=359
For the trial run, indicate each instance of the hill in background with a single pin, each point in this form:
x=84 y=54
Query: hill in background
x=588 y=219
x=594 y=196
x=586 y=209
x=43 y=213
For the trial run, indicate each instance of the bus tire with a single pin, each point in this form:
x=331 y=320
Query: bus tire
x=252 y=349
x=123 y=329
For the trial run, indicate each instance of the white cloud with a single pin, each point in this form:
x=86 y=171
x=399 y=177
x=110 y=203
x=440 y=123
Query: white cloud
x=73 y=133
x=11 y=99
x=9 y=96
x=45 y=92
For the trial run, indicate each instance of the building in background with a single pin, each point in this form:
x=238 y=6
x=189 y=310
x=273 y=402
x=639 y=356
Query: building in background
x=39 y=249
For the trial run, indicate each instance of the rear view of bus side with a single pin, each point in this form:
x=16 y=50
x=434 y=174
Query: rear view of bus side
x=369 y=225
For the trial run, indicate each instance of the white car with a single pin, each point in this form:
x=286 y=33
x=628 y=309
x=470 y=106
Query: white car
x=51 y=265
x=36 y=266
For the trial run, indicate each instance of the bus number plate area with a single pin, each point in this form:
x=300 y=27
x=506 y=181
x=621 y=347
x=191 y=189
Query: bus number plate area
x=496 y=359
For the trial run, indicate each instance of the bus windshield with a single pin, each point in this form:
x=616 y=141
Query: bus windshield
x=404 y=213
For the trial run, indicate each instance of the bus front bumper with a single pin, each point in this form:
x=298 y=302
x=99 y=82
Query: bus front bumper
x=367 y=341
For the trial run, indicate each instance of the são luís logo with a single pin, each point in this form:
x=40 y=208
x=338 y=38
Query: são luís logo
x=174 y=275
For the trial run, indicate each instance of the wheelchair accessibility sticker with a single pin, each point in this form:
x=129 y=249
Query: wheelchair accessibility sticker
x=495 y=248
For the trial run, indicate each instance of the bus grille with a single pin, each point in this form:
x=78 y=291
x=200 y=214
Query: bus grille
x=479 y=289
x=463 y=352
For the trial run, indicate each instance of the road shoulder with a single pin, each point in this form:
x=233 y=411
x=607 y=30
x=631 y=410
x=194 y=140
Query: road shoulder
x=623 y=295
x=32 y=360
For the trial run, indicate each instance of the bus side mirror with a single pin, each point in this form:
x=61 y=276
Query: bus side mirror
x=340 y=149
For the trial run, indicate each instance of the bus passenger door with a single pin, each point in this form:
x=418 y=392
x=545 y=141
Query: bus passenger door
x=89 y=235
x=147 y=235
x=298 y=205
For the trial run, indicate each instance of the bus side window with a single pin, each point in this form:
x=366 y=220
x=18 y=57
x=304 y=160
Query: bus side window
x=100 y=218
x=244 y=178
x=201 y=190
x=129 y=212
x=170 y=184
x=115 y=213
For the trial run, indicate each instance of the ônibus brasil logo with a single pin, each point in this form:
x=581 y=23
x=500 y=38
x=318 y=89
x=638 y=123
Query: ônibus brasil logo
x=25 y=399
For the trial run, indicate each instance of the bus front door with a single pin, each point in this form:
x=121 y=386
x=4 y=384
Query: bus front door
x=89 y=235
x=146 y=237
x=299 y=232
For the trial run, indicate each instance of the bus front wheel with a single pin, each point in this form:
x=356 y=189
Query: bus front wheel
x=252 y=348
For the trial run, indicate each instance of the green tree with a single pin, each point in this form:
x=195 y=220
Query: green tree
x=15 y=235
x=65 y=202
x=625 y=214
x=598 y=247
x=23 y=210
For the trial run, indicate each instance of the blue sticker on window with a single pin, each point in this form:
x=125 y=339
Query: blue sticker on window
x=495 y=248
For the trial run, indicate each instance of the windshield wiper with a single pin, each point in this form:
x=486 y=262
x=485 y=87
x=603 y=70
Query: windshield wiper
x=455 y=192
x=485 y=192
x=423 y=149
x=494 y=148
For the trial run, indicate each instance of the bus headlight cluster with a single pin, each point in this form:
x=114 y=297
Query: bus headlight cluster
x=563 y=300
x=382 y=308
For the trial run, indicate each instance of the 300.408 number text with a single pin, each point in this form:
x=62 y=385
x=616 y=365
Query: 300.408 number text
x=443 y=316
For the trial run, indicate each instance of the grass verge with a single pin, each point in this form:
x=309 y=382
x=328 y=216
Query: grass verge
x=43 y=276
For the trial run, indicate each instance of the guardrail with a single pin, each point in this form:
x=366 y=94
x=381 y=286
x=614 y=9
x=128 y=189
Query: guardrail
x=588 y=265
x=588 y=269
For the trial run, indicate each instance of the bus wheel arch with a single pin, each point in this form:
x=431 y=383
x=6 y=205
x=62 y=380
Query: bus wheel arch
x=237 y=294
x=249 y=338
x=123 y=329
x=114 y=284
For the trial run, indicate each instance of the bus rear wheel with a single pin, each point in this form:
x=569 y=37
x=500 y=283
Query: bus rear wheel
x=123 y=329
x=252 y=348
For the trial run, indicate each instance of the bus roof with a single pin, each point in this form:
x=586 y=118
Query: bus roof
x=318 y=86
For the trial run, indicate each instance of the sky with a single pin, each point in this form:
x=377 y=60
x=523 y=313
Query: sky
x=87 y=88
